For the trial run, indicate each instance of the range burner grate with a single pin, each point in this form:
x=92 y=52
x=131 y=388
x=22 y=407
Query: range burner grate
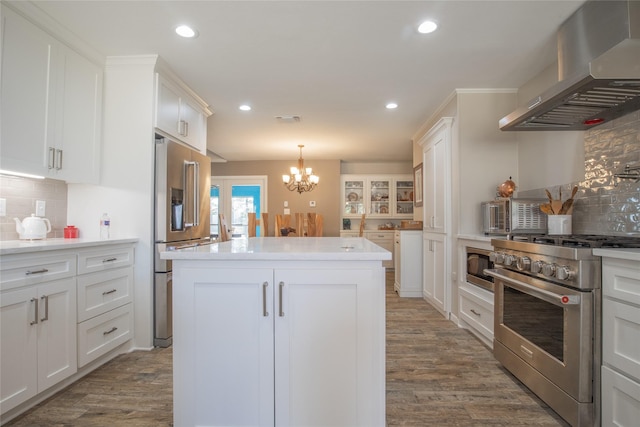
x=580 y=240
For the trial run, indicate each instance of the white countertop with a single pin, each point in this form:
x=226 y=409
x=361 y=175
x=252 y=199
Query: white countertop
x=285 y=248
x=8 y=247
x=632 y=254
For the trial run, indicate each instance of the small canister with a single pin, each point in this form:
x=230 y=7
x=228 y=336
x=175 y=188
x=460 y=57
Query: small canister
x=70 y=232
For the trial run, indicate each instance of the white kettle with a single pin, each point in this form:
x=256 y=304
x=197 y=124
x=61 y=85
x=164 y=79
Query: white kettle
x=33 y=227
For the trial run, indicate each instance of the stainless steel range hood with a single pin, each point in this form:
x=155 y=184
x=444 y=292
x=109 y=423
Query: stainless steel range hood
x=598 y=71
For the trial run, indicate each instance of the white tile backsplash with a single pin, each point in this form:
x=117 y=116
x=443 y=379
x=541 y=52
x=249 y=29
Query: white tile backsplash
x=605 y=205
x=21 y=195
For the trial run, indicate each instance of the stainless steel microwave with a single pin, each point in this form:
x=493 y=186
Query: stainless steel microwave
x=513 y=216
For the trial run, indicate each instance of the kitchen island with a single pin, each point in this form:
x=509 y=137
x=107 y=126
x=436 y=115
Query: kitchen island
x=284 y=331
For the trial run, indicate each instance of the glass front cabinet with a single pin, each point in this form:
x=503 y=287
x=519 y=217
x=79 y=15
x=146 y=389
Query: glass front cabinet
x=384 y=196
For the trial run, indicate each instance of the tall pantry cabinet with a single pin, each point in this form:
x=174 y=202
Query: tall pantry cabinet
x=465 y=156
x=436 y=145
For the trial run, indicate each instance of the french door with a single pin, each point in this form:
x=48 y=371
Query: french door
x=235 y=197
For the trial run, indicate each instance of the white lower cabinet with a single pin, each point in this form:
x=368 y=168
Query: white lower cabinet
x=105 y=293
x=476 y=312
x=59 y=310
x=620 y=337
x=384 y=239
x=434 y=275
x=283 y=346
x=408 y=263
x=38 y=339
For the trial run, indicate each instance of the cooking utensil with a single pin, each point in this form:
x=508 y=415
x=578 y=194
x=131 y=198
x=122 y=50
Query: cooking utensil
x=546 y=208
x=549 y=196
x=568 y=204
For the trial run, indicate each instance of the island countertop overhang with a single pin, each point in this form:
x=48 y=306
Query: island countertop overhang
x=284 y=248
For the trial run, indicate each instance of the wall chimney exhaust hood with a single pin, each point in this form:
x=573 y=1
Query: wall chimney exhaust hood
x=598 y=71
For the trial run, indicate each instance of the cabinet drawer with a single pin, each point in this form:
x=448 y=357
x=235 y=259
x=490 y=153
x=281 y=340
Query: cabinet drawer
x=103 y=291
x=99 y=335
x=476 y=312
x=620 y=337
x=22 y=270
x=620 y=399
x=621 y=280
x=379 y=236
x=105 y=258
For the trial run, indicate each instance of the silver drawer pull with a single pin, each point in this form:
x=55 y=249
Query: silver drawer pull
x=109 y=292
x=475 y=312
x=110 y=331
x=109 y=259
x=43 y=270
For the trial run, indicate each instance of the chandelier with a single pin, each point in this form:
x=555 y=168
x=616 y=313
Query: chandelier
x=300 y=179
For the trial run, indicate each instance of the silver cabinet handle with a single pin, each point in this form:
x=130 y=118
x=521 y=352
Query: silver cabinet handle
x=186 y=128
x=196 y=189
x=280 y=299
x=265 y=285
x=109 y=259
x=110 y=331
x=45 y=298
x=109 y=292
x=35 y=311
x=475 y=312
x=52 y=158
x=58 y=159
x=42 y=270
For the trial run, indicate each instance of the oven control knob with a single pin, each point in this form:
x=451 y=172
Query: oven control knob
x=509 y=260
x=564 y=273
x=536 y=267
x=549 y=270
x=523 y=263
x=499 y=258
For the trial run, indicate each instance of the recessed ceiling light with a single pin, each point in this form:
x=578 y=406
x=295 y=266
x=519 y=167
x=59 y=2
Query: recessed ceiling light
x=245 y=107
x=186 y=31
x=391 y=105
x=427 y=27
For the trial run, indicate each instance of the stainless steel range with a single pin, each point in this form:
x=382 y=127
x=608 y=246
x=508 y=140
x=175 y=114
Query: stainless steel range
x=547 y=325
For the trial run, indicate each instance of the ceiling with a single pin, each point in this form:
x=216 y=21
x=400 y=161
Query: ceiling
x=333 y=63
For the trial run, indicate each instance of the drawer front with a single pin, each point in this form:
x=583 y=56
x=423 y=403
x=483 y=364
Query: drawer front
x=104 y=291
x=620 y=399
x=105 y=258
x=379 y=236
x=23 y=270
x=621 y=280
x=477 y=313
x=101 y=334
x=620 y=337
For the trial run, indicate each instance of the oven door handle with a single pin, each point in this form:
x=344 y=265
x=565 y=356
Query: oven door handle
x=550 y=297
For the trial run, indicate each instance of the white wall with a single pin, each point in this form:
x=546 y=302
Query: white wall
x=126 y=191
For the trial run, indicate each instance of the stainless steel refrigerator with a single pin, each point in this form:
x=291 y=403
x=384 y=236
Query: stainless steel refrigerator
x=182 y=197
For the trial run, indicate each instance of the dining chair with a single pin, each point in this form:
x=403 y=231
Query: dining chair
x=314 y=225
x=362 y=226
x=224 y=229
x=282 y=221
x=251 y=224
x=264 y=225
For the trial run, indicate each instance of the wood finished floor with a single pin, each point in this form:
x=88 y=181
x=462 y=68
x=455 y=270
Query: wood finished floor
x=437 y=375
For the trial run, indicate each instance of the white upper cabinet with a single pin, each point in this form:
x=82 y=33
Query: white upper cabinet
x=179 y=114
x=377 y=196
x=51 y=105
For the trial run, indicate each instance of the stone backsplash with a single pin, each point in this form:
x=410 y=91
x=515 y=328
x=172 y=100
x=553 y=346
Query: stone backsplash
x=605 y=205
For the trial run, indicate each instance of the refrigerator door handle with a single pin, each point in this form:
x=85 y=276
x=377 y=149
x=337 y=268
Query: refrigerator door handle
x=190 y=194
x=196 y=193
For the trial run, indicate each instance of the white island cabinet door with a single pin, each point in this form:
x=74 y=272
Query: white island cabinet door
x=223 y=347
x=328 y=355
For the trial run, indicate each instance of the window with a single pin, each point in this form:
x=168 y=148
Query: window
x=235 y=197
